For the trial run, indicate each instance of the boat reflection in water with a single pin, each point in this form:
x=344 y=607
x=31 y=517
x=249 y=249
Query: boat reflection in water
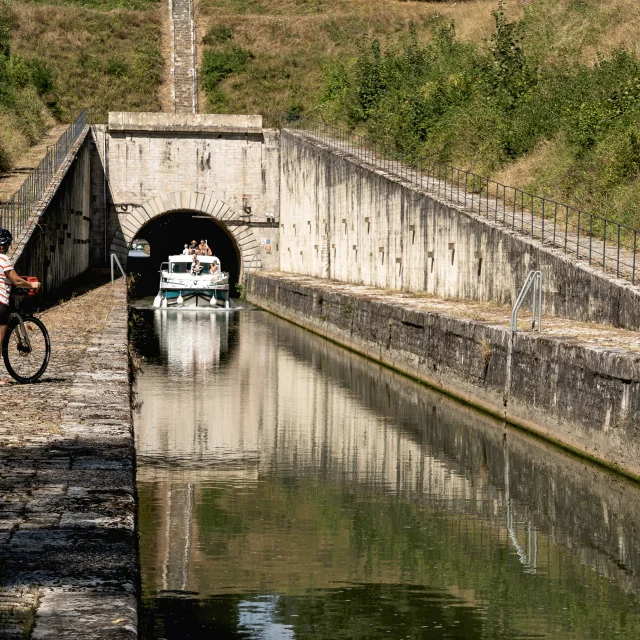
x=290 y=489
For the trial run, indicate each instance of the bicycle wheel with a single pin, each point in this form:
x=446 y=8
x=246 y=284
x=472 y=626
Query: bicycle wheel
x=26 y=359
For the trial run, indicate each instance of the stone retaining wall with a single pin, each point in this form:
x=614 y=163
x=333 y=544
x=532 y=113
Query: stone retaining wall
x=56 y=244
x=582 y=398
x=353 y=222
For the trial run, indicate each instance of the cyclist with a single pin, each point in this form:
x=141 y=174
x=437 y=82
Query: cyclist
x=8 y=277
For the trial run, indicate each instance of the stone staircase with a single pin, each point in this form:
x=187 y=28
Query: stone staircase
x=183 y=57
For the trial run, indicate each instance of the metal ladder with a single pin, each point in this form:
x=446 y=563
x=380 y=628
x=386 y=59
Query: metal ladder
x=114 y=259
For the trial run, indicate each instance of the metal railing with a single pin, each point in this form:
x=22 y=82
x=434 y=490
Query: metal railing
x=532 y=284
x=601 y=242
x=15 y=213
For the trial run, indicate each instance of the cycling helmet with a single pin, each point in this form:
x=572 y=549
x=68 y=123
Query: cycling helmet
x=5 y=237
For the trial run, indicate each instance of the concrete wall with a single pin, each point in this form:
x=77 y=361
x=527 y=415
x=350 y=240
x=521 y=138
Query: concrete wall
x=343 y=221
x=230 y=159
x=58 y=248
x=102 y=226
x=583 y=398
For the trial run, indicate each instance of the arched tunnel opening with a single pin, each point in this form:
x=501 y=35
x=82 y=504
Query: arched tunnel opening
x=167 y=236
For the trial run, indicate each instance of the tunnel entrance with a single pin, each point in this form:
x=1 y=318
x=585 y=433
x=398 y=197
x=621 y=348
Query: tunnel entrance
x=167 y=236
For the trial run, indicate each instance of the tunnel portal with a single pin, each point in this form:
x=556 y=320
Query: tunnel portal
x=168 y=234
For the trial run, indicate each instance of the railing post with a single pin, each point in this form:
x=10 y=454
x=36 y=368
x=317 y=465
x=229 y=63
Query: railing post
x=633 y=273
x=618 y=258
x=578 y=238
x=604 y=245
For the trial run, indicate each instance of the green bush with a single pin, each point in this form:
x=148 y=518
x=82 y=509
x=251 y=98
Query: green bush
x=116 y=67
x=218 y=64
x=23 y=85
x=218 y=33
x=483 y=106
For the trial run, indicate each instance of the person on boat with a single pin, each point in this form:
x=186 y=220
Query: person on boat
x=185 y=251
x=8 y=277
x=196 y=268
x=193 y=248
x=213 y=268
x=207 y=248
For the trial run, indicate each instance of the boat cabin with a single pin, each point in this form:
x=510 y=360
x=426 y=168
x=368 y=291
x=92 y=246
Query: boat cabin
x=183 y=264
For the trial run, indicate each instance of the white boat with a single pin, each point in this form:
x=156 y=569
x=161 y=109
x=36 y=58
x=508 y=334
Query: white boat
x=183 y=284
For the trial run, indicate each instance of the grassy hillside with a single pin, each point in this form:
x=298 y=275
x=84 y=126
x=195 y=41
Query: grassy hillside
x=270 y=56
x=543 y=94
x=100 y=54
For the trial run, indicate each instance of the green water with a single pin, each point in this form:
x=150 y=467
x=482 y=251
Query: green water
x=290 y=489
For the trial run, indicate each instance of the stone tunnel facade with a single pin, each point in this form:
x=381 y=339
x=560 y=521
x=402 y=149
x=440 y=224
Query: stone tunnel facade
x=131 y=223
x=225 y=167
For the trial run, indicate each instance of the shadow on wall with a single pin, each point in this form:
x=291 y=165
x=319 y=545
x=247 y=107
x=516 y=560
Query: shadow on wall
x=167 y=235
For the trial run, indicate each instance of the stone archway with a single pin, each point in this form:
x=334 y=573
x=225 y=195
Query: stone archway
x=207 y=205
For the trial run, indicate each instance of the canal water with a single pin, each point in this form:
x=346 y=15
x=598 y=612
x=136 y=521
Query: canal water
x=291 y=489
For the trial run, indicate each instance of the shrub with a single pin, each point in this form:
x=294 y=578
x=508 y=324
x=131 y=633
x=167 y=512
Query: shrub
x=219 y=64
x=116 y=67
x=484 y=106
x=218 y=33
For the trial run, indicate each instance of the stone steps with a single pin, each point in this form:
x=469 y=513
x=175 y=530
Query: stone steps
x=183 y=56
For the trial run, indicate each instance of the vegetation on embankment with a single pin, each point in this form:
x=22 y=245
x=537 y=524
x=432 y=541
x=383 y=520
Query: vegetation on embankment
x=104 y=55
x=270 y=56
x=543 y=95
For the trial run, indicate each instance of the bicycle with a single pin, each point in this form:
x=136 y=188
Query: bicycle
x=26 y=347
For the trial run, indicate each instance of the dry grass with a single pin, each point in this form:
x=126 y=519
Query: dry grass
x=105 y=61
x=583 y=30
x=164 y=91
x=25 y=158
x=293 y=41
x=103 y=58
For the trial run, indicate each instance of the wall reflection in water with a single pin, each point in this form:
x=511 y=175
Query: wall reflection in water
x=290 y=489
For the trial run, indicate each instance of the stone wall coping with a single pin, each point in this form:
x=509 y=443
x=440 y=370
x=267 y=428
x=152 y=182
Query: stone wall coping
x=188 y=122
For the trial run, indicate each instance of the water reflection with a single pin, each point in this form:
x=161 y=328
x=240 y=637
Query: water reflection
x=289 y=489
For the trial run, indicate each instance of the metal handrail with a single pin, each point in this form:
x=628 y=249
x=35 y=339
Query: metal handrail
x=601 y=242
x=15 y=213
x=114 y=258
x=533 y=283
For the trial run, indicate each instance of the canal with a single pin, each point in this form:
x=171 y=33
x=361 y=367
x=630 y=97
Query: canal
x=291 y=489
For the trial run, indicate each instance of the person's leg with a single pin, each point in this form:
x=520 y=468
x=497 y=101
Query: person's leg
x=3 y=330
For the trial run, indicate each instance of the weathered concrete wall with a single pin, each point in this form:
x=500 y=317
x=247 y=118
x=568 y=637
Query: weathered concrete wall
x=57 y=250
x=583 y=398
x=102 y=228
x=344 y=221
x=230 y=159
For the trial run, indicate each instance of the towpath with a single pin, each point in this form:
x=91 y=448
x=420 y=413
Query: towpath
x=587 y=334
x=68 y=560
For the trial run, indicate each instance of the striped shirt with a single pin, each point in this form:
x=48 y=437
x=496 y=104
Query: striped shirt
x=5 y=284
